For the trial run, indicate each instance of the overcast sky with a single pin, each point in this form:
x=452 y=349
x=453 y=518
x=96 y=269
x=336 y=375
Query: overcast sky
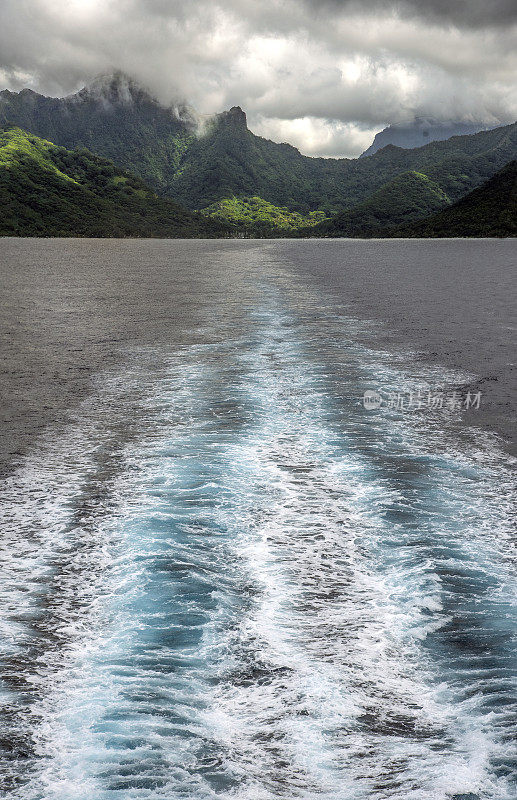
x=324 y=75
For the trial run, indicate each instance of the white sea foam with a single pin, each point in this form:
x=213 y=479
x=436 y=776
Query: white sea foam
x=256 y=605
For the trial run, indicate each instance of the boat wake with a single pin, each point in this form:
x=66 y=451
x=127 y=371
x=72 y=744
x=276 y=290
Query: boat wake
x=252 y=587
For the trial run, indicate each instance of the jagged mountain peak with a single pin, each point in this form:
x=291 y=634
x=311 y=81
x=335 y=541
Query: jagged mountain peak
x=237 y=113
x=234 y=119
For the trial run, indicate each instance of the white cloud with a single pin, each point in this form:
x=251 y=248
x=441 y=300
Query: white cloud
x=316 y=137
x=323 y=75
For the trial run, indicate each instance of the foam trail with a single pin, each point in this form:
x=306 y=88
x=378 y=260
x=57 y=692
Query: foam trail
x=277 y=595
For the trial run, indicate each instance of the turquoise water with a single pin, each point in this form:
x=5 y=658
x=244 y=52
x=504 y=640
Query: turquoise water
x=223 y=577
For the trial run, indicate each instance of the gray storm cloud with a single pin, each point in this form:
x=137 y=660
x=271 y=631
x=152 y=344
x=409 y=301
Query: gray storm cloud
x=465 y=13
x=324 y=75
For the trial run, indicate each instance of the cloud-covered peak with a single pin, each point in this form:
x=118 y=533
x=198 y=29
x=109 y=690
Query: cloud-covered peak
x=118 y=88
x=324 y=74
x=114 y=87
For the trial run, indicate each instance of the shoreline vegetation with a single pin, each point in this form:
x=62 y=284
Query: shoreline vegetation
x=47 y=190
x=99 y=165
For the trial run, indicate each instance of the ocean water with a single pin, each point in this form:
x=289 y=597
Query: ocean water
x=222 y=576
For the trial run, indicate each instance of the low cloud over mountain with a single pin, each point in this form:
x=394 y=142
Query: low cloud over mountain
x=323 y=75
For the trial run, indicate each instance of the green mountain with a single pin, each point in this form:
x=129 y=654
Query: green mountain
x=490 y=210
x=47 y=190
x=409 y=196
x=229 y=161
x=254 y=216
x=114 y=118
x=199 y=165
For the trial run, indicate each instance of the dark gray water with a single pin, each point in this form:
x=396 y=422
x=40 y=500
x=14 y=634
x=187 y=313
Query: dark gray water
x=222 y=575
x=70 y=307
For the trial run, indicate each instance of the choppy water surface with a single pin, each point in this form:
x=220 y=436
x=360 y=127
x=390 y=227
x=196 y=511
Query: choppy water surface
x=222 y=576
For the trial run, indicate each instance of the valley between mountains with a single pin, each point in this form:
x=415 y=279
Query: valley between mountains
x=111 y=161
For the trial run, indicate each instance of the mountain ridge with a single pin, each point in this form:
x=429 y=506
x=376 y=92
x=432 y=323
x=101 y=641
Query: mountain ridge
x=409 y=196
x=422 y=131
x=216 y=162
x=198 y=161
x=46 y=190
x=490 y=210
